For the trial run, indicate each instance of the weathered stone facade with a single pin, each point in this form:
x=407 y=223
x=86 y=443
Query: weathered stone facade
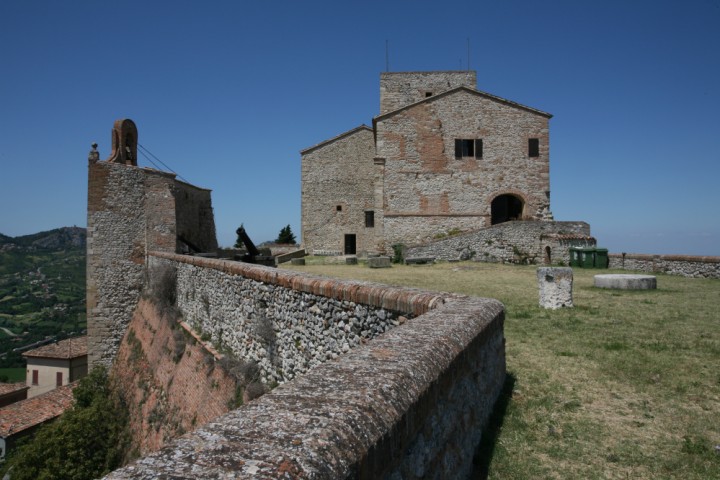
x=133 y=210
x=442 y=156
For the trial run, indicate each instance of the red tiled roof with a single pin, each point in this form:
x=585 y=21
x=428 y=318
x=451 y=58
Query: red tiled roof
x=66 y=349
x=7 y=388
x=25 y=414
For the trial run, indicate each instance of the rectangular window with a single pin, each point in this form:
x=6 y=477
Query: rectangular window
x=369 y=219
x=34 y=377
x=58 y=379
x=533 y=147
x=465 y=148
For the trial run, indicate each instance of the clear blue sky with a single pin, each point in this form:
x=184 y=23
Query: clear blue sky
x=228 y=92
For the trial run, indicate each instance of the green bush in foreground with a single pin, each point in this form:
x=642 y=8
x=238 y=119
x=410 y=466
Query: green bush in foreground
x=86 y=442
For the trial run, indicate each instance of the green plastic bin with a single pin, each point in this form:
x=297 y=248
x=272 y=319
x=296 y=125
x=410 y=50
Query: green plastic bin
x=601 y=258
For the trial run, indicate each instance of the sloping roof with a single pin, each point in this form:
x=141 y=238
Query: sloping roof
x=335 y=139
x=64 y=349
x=29 y=413
x=8 y=388
x=458 y=89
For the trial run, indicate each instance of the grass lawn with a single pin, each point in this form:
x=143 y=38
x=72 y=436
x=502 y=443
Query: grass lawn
x=624 y=385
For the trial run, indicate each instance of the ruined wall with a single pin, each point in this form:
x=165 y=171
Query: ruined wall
x=337 y=190
x=131 y=210
x=398 y=89
x=511 y=242
x=425 y=184
x=683 y=265
x=411 y=403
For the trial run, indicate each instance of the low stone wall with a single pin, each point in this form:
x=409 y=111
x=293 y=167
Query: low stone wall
x=527 y=242
x=411 y=403
x=683 y=265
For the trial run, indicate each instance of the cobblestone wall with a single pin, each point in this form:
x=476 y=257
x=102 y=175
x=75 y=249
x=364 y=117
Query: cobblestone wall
x=132 y=210
x=511 y=242
x=683 y=265
x=408 y=404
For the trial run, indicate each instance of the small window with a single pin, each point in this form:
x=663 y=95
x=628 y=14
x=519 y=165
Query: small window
x=533 y=147
x=34 y=377
x=338 y=208
x=428 y=94
x=468 y=148
x=369 y=219
x=58 y=379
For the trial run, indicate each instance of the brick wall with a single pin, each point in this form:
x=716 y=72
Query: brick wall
x=170 y=382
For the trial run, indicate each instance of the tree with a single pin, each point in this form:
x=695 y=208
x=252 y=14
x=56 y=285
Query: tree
x=286 y=236
x=86 y=442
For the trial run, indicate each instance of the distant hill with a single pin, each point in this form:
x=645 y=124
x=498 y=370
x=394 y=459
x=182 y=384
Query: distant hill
x=58 y=239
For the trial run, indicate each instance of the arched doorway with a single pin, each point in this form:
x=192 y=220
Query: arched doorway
x=505 y=207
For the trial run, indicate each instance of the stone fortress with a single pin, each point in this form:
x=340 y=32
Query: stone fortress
x=373 y=381
x=442 y=157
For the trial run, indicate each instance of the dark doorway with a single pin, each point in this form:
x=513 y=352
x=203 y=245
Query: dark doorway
x=548 y=256
x=350 y=244
x=505 y=207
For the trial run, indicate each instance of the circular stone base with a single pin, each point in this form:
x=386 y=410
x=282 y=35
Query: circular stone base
x=626 y=281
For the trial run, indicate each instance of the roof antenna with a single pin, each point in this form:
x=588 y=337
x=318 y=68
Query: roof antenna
x=387 y=57
x=468 y=53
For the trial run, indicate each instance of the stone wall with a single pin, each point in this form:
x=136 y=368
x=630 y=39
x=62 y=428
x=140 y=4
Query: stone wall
x=398 y=89
x=337 y=190
x=423 y=179
x=683 y=265
x=132 y=210
x=286 y=325
x=410 y=403
x=511 y=242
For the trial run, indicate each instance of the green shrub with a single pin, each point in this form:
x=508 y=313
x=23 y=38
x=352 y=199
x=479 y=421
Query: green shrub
x=88 y=441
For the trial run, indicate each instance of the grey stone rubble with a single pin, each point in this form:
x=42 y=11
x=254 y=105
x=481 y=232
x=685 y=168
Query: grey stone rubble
x=555 y=287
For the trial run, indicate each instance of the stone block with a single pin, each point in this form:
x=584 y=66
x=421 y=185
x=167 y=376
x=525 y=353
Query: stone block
x=626 y=281
x=351 y=261
x=297 y=261
x=555 y=285
x=419 y=260
x=379 y=262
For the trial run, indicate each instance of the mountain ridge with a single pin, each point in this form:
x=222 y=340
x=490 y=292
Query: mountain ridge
x=57 y=239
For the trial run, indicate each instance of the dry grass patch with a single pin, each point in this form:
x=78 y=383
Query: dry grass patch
x=624 y=385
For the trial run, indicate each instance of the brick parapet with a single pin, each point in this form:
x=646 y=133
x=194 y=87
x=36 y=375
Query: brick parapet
x=683 y=265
